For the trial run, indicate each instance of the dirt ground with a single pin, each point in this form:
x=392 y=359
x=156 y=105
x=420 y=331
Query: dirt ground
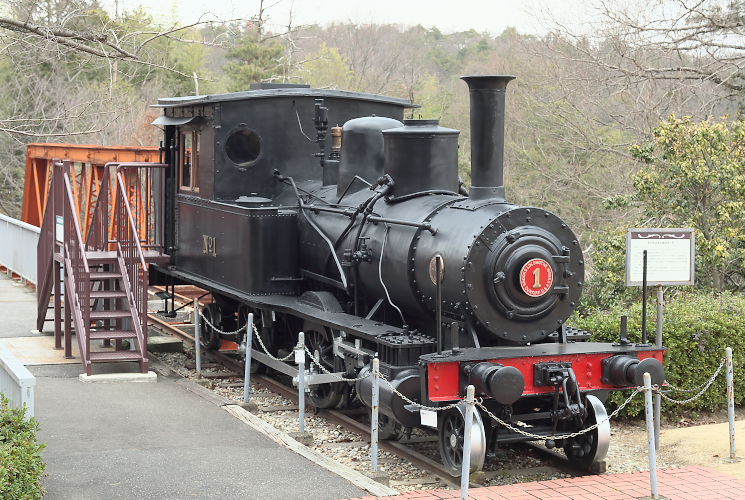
x=700 y=441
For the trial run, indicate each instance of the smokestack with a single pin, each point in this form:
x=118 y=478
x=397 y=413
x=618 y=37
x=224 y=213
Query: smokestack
x=487 y=134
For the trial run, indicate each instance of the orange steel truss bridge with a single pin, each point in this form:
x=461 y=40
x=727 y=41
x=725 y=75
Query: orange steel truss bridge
x=86 y=176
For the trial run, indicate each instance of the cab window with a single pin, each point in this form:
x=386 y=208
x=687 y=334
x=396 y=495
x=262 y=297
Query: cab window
x=189 y=180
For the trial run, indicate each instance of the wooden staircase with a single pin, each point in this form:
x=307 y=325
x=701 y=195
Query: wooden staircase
x=105 y=276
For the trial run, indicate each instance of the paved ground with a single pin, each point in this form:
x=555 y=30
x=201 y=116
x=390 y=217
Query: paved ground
x=687 y=483
x=20 y=301
x=152 y=441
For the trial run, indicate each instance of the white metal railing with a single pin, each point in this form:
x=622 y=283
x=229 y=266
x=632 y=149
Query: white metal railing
x=18 y=241
x=16 y=382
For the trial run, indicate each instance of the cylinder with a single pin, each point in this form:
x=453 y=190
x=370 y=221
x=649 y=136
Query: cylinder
x=421 y=156
x=487 y=97
x=391 y=404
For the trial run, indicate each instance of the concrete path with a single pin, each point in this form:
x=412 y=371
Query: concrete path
x=152 y=441
x=18 y=308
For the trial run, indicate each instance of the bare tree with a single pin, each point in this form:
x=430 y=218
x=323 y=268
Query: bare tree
x=663 y=56
x=70 y=73
x=698 y=40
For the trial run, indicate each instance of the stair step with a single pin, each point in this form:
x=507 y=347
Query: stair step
x=110 y=314
x=100 y=255
x=105 y=275
x=112 y=334
x=115 y=356
x=107 y=294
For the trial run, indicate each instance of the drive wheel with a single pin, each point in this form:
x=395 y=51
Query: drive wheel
x=451 y=430
x=320 y=343
x=210 y=337
x=586 y=449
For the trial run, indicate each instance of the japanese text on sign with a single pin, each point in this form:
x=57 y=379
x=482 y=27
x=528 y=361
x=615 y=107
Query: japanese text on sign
x=670 y=256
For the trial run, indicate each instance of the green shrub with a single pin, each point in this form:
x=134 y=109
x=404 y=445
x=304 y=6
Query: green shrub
x=606 y=283
x=697 y=327
x=21 y=466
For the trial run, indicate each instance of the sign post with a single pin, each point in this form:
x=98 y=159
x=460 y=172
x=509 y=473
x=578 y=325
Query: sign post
x=659 y=257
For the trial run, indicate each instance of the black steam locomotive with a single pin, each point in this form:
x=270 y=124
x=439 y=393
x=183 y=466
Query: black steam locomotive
x=363 y=237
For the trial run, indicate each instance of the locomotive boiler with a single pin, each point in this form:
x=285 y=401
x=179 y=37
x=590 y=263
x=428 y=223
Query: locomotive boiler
x=327 y=212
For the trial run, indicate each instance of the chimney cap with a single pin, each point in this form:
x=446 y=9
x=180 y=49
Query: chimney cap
x=487 y=82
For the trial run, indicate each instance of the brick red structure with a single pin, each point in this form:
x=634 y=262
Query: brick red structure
x=685 y=483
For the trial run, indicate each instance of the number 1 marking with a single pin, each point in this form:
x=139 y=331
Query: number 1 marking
x=537 y=278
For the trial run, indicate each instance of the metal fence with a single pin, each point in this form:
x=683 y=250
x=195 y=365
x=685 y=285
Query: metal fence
x=18 y=242
x=16 y=382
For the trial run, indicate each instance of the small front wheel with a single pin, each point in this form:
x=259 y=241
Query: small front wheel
x=590 y=447
x=451 y=432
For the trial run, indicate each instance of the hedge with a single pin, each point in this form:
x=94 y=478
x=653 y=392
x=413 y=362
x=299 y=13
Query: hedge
x=21 y=465
x=697 y=328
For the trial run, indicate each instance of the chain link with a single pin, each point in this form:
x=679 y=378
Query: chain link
x=266 y=351
x=562 y=436
x=698 y=388
x=705 y=387
x=209 y=323
x=328 y=372
x=419 y=405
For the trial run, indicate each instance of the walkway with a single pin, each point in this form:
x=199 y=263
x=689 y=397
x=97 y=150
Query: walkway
x=686 y=483
x=147 y=440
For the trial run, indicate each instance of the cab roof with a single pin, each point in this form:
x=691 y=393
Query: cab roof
x=273 y=90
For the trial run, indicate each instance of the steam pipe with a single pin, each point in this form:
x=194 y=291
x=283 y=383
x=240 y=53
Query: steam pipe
x=487 y=96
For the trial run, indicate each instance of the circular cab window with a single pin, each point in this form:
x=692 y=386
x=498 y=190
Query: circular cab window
x=243 y=147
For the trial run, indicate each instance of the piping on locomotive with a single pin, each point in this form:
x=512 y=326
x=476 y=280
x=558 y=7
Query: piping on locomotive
x=362 y=236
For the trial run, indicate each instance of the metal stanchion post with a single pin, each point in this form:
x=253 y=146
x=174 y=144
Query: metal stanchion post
x=466 y=462
x=300 y=360
x=731 y=404
x=650 y=436
x=197 y=340
x=247 y=365
x=658 y=344
x=374 y=416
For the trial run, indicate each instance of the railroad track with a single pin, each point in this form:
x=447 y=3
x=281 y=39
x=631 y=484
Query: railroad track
x=432 y=467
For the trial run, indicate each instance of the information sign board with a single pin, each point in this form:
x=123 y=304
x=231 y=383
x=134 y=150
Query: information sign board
x=670 y=256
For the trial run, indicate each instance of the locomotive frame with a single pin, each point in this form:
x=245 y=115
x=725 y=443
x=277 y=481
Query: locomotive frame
x=366 y=239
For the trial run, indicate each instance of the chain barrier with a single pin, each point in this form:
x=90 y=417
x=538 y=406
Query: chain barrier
x=209 y=323
x=614 y=414
x=420 y=405
x=701 y=389
x=328 y=372
x=698 y=388
x=266 y=351
x=704 y=388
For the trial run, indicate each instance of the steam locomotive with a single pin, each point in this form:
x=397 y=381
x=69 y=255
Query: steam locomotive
x=326 y=212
